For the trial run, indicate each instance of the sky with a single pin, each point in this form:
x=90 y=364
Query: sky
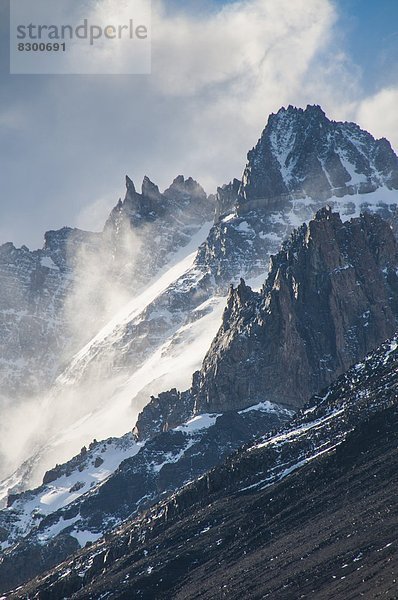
x=218 y=70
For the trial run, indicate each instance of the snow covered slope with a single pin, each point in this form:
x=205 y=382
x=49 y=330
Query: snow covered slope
x=107 y=383
x=65 y=484
x=159 y=337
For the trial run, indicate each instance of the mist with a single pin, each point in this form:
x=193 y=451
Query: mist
x=119 y=341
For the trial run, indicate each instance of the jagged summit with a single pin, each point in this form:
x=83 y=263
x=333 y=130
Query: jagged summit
x=146 y=206
x=329 y=298
x=313 y=110
x=151 y=204
x=301 y=153
x=149 y=189
x=185 y=191
x=130 y=185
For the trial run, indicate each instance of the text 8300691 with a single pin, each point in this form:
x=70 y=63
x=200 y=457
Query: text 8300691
x=41 y=47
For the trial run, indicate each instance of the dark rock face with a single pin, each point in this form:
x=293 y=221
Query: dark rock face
x=164 y=412
x=64 y=245
x=227 y=198
x=36 y=557
x=303 y=153
x=330 y=297
x=314 y=516
x=32 y=327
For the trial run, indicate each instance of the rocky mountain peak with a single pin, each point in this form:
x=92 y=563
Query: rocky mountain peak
x=311 y=112
x=331 y=297
x=184 y=191
x=150 y=205
x=130 y=185
x=241 y=300
x=151 y=191
x=143 y=207
x=302 y=153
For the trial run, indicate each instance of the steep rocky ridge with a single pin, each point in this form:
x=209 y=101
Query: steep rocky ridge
x=306 y=510
x=331 y=296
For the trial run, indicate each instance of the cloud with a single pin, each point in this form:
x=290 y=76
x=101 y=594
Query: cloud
x=261 y=41
x=378 y=114
x=217 y=74
x=226 y=73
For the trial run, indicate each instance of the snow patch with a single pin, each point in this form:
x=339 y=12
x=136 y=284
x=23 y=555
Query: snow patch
x=203 y=421
x=47 y=261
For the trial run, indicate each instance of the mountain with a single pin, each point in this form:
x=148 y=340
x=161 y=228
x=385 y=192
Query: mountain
x=53 y=301
x=167 y=221
x=326 y=278
x=301 y=153
x=105 y=484
x=34 y=334
x=43 y=292
x=307 y=510
x=135 y=318
x=135 y=309
x=302 y=158
x=330 y=298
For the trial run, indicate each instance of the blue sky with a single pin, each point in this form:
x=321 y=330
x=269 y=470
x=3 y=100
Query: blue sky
x=66 y=142
x=371 y=37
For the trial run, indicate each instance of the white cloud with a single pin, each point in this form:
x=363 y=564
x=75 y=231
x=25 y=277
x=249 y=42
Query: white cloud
x=264 y=42
x=227 y=72
x=216 y=77
x=378 y=114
